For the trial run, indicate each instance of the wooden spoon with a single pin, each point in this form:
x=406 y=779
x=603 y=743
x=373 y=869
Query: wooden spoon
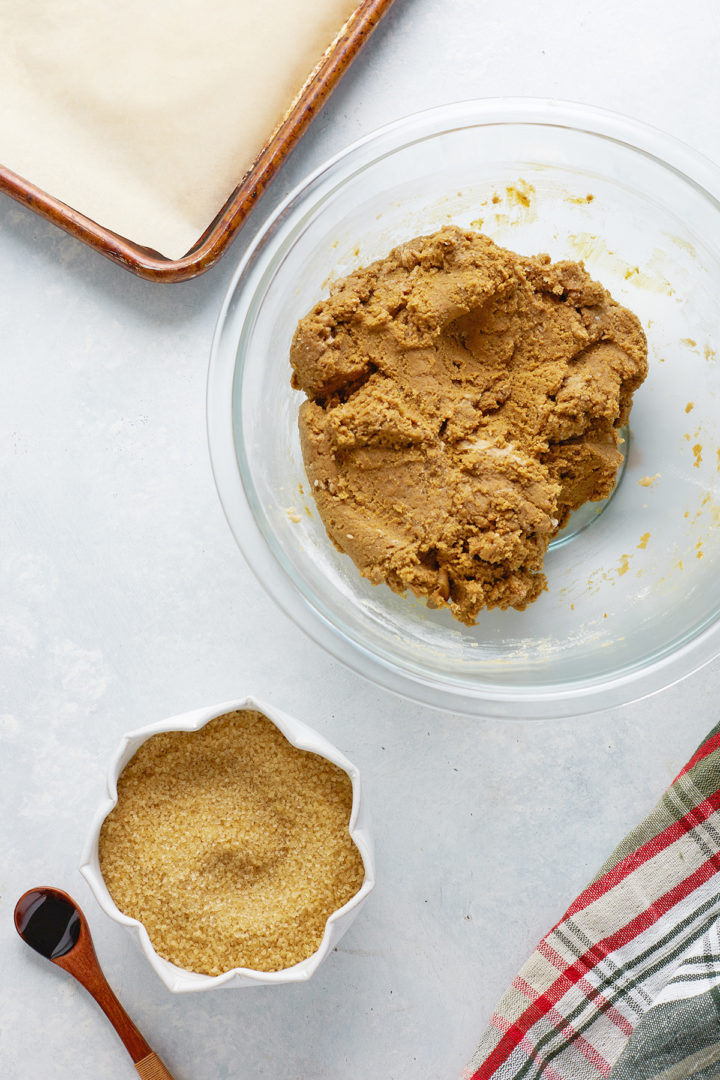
x=50 y=922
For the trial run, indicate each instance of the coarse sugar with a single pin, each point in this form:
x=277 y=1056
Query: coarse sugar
x=230 y=845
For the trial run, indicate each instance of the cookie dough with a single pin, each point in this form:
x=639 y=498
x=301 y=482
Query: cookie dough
x=462 y=401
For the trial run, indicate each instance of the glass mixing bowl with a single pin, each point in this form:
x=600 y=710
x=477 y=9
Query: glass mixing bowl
x=633 y=592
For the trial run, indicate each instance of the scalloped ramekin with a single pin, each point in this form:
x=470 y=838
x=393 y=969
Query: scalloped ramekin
x=178 y=979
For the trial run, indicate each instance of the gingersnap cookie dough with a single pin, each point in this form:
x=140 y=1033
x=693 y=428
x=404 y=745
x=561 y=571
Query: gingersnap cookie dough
x=462 y=401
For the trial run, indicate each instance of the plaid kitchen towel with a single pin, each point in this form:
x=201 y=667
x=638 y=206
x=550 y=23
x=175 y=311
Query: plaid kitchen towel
x=627 y=985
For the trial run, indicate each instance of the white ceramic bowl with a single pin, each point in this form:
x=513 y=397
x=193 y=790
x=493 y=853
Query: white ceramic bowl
x=178 y=979
x=634 y=596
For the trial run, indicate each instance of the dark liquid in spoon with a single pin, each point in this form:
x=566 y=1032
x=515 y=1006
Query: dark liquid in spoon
x=48 y=923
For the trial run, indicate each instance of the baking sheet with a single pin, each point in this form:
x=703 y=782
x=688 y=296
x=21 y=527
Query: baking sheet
x=144 y=117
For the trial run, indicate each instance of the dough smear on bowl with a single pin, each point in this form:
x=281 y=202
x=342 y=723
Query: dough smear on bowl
x=462 y=401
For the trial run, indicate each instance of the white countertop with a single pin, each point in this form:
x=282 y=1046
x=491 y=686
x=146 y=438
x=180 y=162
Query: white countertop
x=124 y=599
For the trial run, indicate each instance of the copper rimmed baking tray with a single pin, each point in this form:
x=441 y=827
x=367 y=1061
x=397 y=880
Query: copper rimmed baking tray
x=214 y=241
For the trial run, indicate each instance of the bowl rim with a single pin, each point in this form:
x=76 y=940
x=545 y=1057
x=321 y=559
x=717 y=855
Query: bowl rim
x=300 y=735
x=539 y=700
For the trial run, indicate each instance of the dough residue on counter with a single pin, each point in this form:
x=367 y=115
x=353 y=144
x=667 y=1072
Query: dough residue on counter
x=462 y=401
x=230 y=845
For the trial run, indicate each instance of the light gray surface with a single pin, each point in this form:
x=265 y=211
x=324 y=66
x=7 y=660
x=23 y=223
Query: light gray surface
x=123 y=599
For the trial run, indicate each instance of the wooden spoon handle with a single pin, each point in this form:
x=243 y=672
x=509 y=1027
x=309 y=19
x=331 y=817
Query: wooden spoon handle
x=152 y=1068
x=82 y=963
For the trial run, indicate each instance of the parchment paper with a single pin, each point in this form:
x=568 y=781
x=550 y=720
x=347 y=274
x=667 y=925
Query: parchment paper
x=145 y=114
